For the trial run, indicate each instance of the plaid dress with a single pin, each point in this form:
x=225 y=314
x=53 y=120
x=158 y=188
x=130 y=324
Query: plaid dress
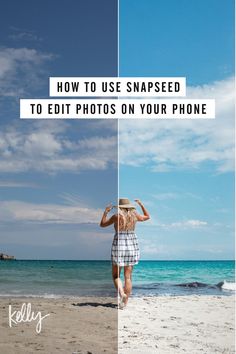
x=125 y=247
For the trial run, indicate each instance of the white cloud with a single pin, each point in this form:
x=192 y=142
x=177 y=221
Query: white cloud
x=180 y=225
x=15 y=184
x=166 y=145
x=166 y=196
x=102 y=124
x=41 y=143
x=71 y=199
x=18 y=34
x=21 y=70
x=98 y=143
x=41 y=148
x=47 y=213
x=189 y=223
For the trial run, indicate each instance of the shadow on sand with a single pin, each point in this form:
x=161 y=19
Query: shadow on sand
x=96 y=304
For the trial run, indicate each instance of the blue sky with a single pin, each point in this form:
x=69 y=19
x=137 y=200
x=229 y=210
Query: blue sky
x=56 y=176
x=187 y=38
x=182 y=171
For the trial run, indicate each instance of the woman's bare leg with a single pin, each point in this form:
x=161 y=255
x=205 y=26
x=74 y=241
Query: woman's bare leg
x=116 y=278
x=128 y=280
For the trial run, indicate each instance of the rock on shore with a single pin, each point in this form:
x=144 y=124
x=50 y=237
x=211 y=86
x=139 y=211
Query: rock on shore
x=5 y=257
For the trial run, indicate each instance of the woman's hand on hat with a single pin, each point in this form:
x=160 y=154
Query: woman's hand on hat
x=108 y=208
x=138 y=201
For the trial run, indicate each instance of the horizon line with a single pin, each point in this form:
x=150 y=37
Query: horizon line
x=107 y=260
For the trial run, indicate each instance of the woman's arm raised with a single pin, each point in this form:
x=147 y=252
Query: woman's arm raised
x=146 y=215
x=106 y=222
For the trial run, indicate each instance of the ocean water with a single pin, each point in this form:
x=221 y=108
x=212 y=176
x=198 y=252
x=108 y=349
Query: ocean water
x=93 y=278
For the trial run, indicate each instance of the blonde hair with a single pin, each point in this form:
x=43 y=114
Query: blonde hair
x=126 y=219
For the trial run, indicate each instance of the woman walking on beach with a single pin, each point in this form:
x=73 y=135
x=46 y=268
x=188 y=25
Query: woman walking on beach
x=125 y=249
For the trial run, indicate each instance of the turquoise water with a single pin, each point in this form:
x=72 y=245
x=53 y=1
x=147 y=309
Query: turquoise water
x=165 y=277
x=88 y=278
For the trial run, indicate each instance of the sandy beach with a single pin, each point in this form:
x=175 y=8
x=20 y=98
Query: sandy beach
x=78 y=325
x=184 y=324
x=168 y=324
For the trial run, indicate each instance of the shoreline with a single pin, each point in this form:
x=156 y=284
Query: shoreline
x=224 y=293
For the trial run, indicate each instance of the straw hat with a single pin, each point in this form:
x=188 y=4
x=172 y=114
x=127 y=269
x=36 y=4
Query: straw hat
x=125 y=203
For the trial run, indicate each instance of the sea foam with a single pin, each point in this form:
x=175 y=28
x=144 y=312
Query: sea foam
x=229 y=286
